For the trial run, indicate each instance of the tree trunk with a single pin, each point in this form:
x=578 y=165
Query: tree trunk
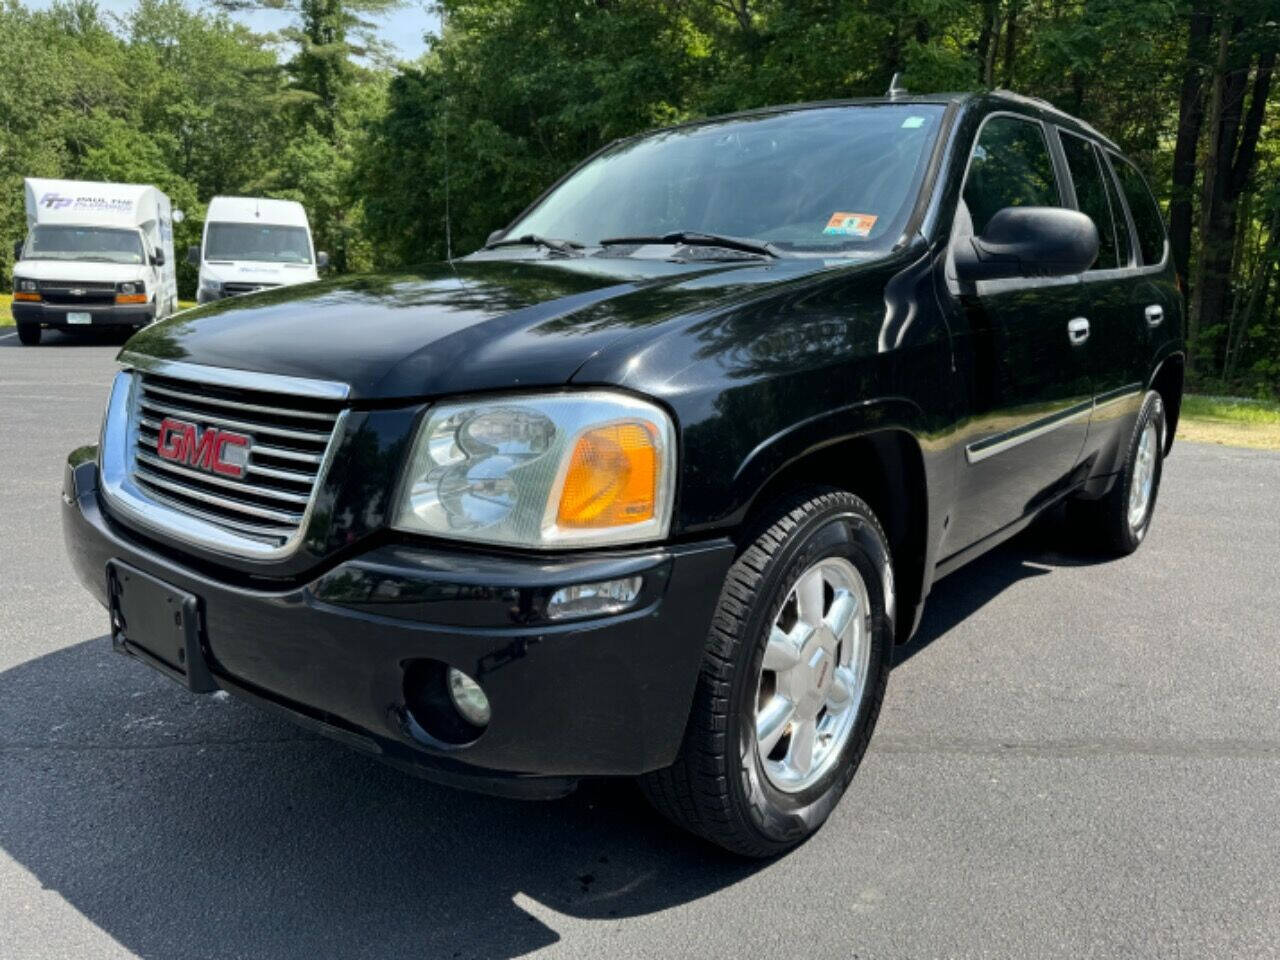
x=1233 y=164
x=988 y=42
x=1190 y=125
x=1261 y=284
x=1010 y=42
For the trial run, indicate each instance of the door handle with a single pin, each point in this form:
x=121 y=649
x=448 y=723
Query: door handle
x=1078 y=330
x=1155 y=315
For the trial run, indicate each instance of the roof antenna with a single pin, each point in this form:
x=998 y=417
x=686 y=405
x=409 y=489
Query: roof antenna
x=896 y=89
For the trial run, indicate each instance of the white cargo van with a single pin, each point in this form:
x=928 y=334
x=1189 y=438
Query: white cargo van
x=254 y=243
x=95 y=255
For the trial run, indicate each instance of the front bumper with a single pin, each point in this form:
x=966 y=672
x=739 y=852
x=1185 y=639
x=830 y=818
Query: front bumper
x=101 y=315
x=603 y=696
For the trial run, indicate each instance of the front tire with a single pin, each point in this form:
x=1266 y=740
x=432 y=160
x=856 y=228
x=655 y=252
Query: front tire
x=791 y=683
x=29 y=334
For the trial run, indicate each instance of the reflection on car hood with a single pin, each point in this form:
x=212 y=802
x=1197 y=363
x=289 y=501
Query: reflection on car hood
x=473 y=325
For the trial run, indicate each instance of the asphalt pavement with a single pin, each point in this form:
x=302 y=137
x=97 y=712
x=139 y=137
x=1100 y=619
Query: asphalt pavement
x=1076 y=758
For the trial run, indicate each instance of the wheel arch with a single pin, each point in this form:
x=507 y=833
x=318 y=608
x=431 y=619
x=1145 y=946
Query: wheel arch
x=884 y=466
x=1168 y=381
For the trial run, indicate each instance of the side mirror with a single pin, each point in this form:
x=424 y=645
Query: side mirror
x=496 y=235
x=1028 y=242
x=322 y=260
x=17 y=250
x=193 y=255
x=157 y=258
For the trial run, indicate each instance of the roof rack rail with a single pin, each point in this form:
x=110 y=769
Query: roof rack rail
x=1046 y=105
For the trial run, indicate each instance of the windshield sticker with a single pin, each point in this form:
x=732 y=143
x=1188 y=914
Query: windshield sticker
x=850 y=225
x=913 y=123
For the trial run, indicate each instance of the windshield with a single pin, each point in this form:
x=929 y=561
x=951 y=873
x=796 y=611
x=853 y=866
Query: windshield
x=820 y=179
x=105 y=244
x=257 y=241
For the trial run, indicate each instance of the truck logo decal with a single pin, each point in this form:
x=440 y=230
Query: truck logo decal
x=212 y=450
x=56 y=201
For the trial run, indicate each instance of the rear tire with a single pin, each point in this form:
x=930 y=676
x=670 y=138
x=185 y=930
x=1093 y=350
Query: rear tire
x=1118 y=523
x=29 y=334
x=781 y=646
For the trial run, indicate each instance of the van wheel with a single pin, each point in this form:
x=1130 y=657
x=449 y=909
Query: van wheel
x=29 y=334
x=791 y=682
x=1118 y=523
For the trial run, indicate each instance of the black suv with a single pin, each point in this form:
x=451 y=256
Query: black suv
x=651 y=484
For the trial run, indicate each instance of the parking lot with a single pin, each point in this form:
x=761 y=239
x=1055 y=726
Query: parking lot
x=1076 y=757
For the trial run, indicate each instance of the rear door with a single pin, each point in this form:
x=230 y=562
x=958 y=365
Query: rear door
x=1154 y=297
x=1116 y=347
x=1027 y=384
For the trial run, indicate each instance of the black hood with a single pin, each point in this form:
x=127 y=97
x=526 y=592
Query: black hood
x=474 y=325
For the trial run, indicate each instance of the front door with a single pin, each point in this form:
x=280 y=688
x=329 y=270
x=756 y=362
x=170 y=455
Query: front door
x=1020 y=347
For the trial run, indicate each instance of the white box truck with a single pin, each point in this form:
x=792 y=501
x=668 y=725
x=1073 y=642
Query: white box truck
x=254 y=243
x=95 y=255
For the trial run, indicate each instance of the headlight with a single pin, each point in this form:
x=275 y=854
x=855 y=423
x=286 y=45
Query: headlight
x=25 y=286
x=129 y=288
x=542 y=471
x=213 y=286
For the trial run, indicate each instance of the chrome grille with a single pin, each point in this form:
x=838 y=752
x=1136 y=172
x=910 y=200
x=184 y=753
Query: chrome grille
x=235 y=289
x=70 y=292
x=289 y=442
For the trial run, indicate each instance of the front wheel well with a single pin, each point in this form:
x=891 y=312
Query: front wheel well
x=886 y=470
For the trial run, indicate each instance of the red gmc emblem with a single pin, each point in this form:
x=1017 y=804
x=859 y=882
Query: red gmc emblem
x=211 y=449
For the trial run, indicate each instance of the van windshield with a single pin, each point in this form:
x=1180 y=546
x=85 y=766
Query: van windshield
x=817 y=179
x=270 y=243
x=103 y=244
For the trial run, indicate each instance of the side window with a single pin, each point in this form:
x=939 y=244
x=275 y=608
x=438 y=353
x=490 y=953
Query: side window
x=1091 y=196
x=1147 y=219
x=1011 y=167
x=1124 y=239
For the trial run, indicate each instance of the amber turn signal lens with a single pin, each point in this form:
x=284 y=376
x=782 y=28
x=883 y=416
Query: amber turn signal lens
x=31 y=297
x=612 y=479
x=131 y=298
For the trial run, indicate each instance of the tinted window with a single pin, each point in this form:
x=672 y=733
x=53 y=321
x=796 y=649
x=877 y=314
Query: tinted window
x=1124 y=238
x=257 y=241
x=1147 y=218
x=1091 y=196
x=57 y=242
x=1011 y=167
x=818 y=179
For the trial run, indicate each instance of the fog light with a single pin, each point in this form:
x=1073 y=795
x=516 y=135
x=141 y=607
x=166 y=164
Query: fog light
x=468 y=699
x=592 y=599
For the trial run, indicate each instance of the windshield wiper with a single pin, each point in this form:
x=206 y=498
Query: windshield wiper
x=567 y=247
x=694 y=238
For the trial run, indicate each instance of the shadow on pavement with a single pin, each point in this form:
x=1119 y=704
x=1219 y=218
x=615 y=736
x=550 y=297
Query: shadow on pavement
x=198 y=826
x=192 y=826
x=100 y=337
x=1048 y=543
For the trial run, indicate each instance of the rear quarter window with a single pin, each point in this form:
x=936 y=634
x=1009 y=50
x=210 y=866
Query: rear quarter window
x=1147 y=218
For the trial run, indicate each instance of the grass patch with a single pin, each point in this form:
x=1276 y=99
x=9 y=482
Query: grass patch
x=1230 y=421
x=1231 y=409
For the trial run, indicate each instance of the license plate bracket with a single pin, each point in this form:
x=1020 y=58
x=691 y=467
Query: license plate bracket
x=158 y=624
x=79 y=317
